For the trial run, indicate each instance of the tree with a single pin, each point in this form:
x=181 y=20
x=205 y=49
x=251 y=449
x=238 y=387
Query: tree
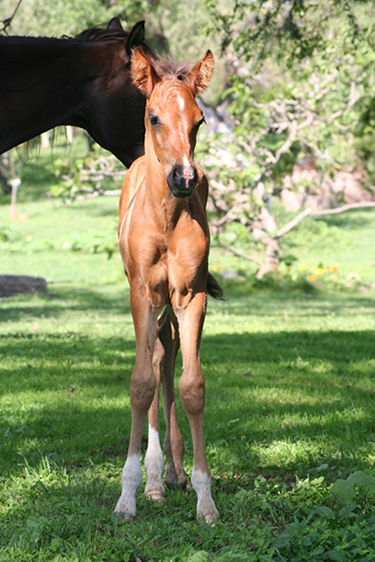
x=302 y=83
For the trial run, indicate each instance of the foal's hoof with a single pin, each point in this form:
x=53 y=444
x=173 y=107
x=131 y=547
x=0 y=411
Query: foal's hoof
x=174 y=479
x=207 y=512
x=124 y=517
x=211 y=520
x=156 y=495
x=125 y=509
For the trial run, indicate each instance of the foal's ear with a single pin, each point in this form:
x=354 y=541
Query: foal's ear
x=143 y=72
x=136 y=37
x=202 y=72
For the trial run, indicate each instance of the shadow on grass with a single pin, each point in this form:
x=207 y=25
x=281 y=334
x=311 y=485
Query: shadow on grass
x=70 y=395
x=65 y=301
x=242 y=300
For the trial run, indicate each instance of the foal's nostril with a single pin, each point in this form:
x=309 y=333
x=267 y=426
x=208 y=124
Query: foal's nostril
x=176 y=175
x=182 y=180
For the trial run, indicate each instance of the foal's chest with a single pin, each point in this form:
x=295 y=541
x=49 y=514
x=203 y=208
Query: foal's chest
x=169 y=264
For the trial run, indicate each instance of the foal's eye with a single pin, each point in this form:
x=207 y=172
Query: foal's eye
x=154 y=120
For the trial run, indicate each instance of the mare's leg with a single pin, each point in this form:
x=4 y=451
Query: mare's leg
x=142 y=390
x=192 y=392
x=154 y=460
x=173 y=442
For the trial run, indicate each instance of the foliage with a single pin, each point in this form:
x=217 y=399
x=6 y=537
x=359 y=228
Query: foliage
x=302 y=85
x=90 y=175
x=58 y=18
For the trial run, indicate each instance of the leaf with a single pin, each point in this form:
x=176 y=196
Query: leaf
x=325 y=511
x=344 y=490
x=200 y=556
x=336 y=555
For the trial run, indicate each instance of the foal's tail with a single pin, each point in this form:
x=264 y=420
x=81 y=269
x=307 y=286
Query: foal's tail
x=213 y=288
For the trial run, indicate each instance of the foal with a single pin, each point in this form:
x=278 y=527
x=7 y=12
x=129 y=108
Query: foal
x=164 y=245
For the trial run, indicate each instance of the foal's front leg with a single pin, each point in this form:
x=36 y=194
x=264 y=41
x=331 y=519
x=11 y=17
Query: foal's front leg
x=192 y=389
x=142 y=390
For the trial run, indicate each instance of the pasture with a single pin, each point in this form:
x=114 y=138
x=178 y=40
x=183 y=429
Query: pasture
x=290 y=399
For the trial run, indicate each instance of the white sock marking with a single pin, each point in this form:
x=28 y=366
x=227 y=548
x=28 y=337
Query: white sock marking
x=154 y=465
x=201 y=483
x=131 y=480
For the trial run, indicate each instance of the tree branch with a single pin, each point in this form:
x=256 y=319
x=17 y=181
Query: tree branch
x=239 y=254
x=292 y=224
x=343 y=209
x=8 y=21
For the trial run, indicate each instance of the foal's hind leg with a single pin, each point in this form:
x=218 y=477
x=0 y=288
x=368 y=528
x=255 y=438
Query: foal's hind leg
x=173 y=442
x=154 y=460
x=142 y=390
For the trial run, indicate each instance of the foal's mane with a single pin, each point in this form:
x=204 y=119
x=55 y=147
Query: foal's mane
x=166 y=67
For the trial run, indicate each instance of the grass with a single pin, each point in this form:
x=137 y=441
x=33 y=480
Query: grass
x=289 y=417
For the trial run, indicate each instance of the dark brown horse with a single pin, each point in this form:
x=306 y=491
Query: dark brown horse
x=164 y=243
x=83 y=81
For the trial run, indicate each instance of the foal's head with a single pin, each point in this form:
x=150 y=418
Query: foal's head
x=172 y=115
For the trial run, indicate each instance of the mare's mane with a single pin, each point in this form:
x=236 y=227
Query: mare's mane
x=91 y=34
x=102 y=34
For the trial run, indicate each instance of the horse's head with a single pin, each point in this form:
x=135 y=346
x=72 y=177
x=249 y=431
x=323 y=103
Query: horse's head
x=114 y=113
x=172 y=115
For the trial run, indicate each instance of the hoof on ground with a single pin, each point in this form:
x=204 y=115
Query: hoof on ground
x=211 y=520
x=155 y=495
x=124 y=517
x=174 y=480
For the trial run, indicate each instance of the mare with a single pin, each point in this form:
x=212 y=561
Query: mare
x=164 y=245
x=83 y=81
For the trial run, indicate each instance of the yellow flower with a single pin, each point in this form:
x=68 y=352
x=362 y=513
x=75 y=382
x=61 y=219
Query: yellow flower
x=303 y=267
x=312 y=277
x=273 y=266
x=327 y=267
x=217 y=267
x=334 y=269
x=319 y=271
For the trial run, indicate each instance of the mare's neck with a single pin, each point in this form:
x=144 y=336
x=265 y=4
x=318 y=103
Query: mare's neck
x=43 y=84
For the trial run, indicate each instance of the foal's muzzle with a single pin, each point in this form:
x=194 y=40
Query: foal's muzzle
x=182 y=180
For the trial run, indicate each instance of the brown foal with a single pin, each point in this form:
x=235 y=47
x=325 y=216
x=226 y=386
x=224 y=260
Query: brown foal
x=164 y=245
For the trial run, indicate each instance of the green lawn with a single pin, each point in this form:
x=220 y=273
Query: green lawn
x=290 y=409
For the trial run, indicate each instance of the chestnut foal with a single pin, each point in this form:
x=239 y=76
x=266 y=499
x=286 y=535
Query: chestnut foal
x=164 y=244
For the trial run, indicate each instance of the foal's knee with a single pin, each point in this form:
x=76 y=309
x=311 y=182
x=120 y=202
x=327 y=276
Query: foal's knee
x=192 y=393
x=142 y=390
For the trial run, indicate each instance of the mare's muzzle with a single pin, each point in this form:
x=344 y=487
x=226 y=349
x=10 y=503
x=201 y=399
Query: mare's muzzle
x=182 y=180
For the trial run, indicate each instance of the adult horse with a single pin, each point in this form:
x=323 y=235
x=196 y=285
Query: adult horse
x=164 y=244
x=83 y=81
